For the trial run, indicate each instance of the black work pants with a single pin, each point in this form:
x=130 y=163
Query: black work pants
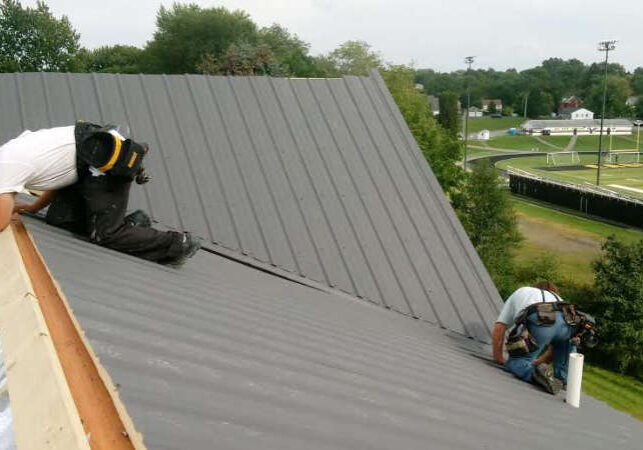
x=95 y=207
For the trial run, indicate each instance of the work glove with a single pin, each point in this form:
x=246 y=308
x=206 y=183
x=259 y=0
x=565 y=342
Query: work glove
x=141 y=176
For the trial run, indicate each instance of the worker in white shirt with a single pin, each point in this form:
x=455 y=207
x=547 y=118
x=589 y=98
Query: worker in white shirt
x=547 y=332
x=85 y=172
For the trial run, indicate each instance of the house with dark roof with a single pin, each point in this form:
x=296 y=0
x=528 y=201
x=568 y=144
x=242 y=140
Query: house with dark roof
x=336 y=304
x=569 y=104
x=487 y=102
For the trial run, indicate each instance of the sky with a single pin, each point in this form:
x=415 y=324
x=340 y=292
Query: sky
x=434 y=34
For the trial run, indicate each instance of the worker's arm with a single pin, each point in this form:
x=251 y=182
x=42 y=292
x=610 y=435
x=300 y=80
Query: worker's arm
x=545 y=357
x=6 y=209
x=44 y=200
x=497 y=341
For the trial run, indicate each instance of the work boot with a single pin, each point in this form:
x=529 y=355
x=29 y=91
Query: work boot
x=138 y=218
x=189 y=246
x=544 y=376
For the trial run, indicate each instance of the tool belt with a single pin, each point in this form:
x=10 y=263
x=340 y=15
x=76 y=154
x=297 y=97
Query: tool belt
x=103 y=148
x=520 y=342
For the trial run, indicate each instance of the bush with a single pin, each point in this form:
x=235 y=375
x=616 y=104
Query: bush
x=619 y=307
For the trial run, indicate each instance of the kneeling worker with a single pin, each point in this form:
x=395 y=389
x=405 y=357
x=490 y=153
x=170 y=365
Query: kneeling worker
x=545 y=328
x=86 y=172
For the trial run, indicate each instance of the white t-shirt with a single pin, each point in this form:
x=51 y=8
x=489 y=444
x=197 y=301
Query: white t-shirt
x=519 y=300
x=42 y=160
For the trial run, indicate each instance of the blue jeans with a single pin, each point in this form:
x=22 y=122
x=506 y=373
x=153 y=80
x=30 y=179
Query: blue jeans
x=558 y=335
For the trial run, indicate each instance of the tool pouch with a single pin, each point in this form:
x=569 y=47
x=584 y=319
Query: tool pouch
x=569 y=312
x=520 y=342
x=106 y=150
x=546 y=313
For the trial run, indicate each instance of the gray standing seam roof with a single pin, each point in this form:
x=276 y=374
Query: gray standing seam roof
x=320 y=178
x=220 y=355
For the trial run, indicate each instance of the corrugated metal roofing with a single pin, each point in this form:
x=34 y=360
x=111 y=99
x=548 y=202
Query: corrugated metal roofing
x=219 y=355
x=317 y=177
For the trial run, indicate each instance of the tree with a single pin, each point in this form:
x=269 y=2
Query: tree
x=114 y=59
x=484 y=208
x=440 y=150
x=290 y=52
x=449 y=117
x=539 y=103
x=187 y=33
x=619 y=306
x=637 y=81
x=354 y=58
x=241 y=59
x=33 y=40
x=618 y=90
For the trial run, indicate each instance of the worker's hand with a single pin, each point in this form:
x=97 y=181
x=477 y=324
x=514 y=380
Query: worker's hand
x=20 y=207
x=141 y=176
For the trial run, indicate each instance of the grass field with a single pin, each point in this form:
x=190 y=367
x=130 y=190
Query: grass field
x=620 y=392
x=487 y=123
x=525 y=142
x=625 y=179
x=590 y=143
x=574 y=240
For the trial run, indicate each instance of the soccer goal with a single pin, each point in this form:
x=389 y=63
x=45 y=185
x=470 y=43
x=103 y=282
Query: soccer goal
x=623 y=157
x=563 y=158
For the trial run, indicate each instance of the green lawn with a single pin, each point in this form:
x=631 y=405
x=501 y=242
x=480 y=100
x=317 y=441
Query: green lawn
x=474 y=153
x=618 y=178
x=487 y=123
x=526 y=142
x=590 y=143
x=620 y=392
x=574 y=221
x=571 y=238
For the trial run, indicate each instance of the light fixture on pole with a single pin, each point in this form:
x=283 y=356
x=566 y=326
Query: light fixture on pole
x=468 y=61
x=638 y=124
x=604 y=46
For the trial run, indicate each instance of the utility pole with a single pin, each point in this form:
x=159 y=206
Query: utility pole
x=604 y=46
x=468 y=61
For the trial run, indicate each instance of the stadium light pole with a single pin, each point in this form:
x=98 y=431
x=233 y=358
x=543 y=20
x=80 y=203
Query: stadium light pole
x=604 y=46
x=468 y=61
x=638 y=124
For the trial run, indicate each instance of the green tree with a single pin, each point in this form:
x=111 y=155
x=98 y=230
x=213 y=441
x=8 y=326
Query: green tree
x=440 y=150
x=637 y=81
x=618 y=90
x=354 y=58
x=290 y=52
x=619 y=306
x=185 y=34
x=241 y=59
x=539 y=103
x=114 y=59
x=449 y=117
x=33 y=40
x=484 y=208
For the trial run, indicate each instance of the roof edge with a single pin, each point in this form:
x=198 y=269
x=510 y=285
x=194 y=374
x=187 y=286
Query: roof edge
x=33 y=369
x=84 y=393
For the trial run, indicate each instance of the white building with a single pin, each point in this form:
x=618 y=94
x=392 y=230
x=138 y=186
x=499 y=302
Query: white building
x=582 y=114
x=474 y=112
x=577 y=114
x=576 y=127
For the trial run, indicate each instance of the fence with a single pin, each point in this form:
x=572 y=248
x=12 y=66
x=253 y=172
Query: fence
x=591 y=199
